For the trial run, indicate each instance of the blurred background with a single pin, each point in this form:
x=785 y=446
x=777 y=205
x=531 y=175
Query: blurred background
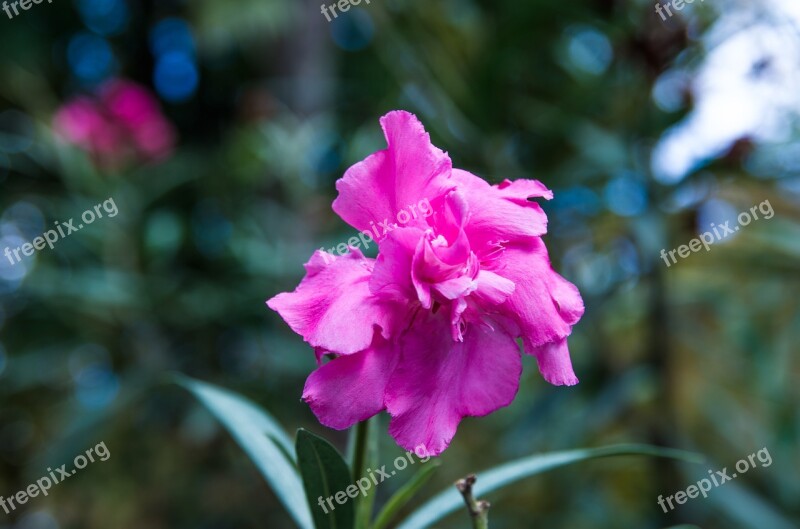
x=219 y=129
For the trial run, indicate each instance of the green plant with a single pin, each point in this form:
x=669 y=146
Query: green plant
x=314 y=469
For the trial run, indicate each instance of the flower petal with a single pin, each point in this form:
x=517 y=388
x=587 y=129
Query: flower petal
x=554 y=363
x=438 y=381
x=350 y=388
x=519 y=191
x=544 y=304
x=333 y=308
x=391 y=277
x=493 y=288
x=409 y=171
x=502 y=212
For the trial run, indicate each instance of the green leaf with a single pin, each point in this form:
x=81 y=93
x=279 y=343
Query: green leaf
x=324 y=475
x=262 y=439
x=405 y=494
x=490 y=480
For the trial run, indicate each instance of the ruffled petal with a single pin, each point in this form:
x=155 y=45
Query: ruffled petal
x=554 y=362
x=544 y=304
x=350 y=388
x=438 y=381
x=492 y=288
x=333 y=308
x=502 y=212
x=457 y=287
x=391 y=277
x=519 y=191
x=400 y=178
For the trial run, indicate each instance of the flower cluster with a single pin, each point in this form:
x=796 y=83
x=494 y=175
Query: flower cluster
x=122 y=123
x=428 y=331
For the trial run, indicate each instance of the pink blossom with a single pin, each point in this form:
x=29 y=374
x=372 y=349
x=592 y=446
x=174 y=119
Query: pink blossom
x=123 y=122
x=428 y=330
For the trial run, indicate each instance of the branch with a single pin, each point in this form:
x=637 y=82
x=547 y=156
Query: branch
x=478 y=509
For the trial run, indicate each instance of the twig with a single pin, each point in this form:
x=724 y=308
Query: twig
x=478 y=509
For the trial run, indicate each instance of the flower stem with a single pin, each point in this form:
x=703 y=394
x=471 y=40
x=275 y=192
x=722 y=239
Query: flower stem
x=364 y=454
x=478 y=509
x=359 y=447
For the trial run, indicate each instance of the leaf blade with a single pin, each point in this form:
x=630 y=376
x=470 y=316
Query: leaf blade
x=493 y=479
x=262 y=439
x=325 y=474
x=404 y=495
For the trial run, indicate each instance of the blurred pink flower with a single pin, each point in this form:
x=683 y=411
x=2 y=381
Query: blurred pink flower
x=122 y=123
x=427 y=331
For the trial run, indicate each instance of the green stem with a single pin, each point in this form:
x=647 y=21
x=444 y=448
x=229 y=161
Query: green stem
x=364 y=455
x=359 y=449
x=478 y=509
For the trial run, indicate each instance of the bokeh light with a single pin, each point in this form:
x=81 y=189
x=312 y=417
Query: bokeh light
x=588 y=49
x=626 y=196
x=175 y=77
x=172 y=35
x=354 y=30
x=104 y=17
x=90 y=58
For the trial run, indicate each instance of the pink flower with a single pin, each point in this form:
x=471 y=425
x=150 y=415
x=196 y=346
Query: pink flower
x=427 y=331
x=123 y=122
